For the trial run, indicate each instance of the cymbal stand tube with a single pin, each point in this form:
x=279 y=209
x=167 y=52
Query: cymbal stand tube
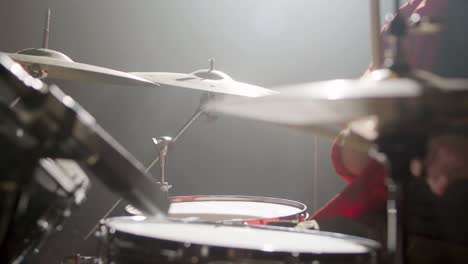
x=396 y=152
x=45 y=37
x=163 y=142
x=186 y=126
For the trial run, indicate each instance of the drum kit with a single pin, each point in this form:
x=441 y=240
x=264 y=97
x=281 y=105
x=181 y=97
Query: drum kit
x=51 y=146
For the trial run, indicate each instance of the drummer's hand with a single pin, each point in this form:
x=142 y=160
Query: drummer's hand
x=309 y=225
x=446 y=162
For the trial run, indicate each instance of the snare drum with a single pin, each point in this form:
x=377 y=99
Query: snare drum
x=251 y=210
x=136 y=240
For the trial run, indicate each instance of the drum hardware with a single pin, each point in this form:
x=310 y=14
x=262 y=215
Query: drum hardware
x=45 y=36
x=47 y=123
x=375 y=33
x=396 y=229
x=163 y=143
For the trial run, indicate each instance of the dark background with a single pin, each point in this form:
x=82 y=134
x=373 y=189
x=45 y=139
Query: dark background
x=263 y=42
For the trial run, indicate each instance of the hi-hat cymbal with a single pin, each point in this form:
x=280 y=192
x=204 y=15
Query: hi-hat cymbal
x=205 y=80
x=56 y=65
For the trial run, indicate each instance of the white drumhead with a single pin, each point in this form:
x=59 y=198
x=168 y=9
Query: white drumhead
x=230 y=210
x=239 y=237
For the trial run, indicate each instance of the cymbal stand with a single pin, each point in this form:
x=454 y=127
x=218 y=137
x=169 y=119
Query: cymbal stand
x=163 y=143
x=397 y=150
x=398 y=28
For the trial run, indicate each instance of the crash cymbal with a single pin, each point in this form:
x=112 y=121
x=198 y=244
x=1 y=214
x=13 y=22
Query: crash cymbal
x=46 y=63
x=205 y=80
x=381 y=103
x=326 y=102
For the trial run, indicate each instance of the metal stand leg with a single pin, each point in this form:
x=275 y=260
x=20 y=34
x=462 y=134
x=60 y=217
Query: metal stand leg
x=398 y=151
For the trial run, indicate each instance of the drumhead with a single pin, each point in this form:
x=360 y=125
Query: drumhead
x=233 y=208
x=269 y=239
x=226 y=207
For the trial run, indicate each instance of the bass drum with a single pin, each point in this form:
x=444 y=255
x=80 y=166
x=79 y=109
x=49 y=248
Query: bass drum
x=251 y=210
x=139 y=240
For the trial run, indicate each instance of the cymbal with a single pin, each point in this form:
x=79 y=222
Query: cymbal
x=326 y=102
x=205 y=80
x=56 y=65
x=380 y=104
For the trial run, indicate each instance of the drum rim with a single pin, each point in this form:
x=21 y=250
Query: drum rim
x=301 y=214
x=369 y=244
x=238 y=198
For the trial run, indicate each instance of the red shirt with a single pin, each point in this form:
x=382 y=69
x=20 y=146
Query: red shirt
x=367 y=192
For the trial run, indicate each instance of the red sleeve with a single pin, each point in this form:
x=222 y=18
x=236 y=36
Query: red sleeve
x=366 y=192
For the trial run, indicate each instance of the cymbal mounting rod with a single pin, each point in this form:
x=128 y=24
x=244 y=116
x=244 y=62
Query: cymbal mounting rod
x=45 y=37
x=211 y=60
x=375 y=34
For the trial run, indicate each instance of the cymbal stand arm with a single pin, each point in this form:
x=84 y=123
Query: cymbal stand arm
x=186 y=126
x=163 y=144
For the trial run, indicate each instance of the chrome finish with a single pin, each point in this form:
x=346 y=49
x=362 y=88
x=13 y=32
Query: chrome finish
x=163 y=144
x=45 y=39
